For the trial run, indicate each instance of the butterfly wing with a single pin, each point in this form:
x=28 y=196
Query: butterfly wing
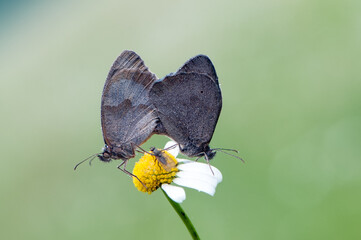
x=188 y=105
x=126 y=60
x=200 y=64
x=127 y=115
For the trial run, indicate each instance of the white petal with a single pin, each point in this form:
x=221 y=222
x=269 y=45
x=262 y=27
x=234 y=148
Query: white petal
x=180 y=160
x=199 y=168
x=175 y=193
x=174 y=150
x=198 y=176
x=196 y=183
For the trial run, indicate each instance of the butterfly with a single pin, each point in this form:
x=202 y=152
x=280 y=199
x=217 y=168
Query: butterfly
x=128 y=118
x=188 y=104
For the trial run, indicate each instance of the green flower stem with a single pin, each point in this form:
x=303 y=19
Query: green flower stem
x=183 y=216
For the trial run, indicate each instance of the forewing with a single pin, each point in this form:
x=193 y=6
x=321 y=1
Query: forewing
x=126 y=113
x=188 y=105
x=127 y=60
x=200 y=64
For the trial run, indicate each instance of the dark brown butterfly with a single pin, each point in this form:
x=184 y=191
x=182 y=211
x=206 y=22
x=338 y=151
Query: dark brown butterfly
x=128 y=117
x=188 y=104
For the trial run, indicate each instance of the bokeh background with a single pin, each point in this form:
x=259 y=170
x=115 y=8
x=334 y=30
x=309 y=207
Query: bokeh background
x=291 y=81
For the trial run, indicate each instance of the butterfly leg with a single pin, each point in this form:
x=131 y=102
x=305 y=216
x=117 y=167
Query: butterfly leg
x=210 y=167
x=171 y=147
x=127 y=172
x=142 y=150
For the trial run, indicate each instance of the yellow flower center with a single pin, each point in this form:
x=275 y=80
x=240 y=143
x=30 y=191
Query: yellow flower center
x=154 y=170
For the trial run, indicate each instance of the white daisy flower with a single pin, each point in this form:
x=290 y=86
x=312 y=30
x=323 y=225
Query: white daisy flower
x=162 y=169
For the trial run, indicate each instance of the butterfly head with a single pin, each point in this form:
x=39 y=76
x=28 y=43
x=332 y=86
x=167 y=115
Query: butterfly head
x=110 y=153
x=192 y=150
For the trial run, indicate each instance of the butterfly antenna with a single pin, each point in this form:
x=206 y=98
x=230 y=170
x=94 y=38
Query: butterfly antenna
x=91 y=159
x=225 y=149
x=230 y=154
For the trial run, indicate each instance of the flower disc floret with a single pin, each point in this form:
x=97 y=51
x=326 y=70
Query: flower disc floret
x=152 y=174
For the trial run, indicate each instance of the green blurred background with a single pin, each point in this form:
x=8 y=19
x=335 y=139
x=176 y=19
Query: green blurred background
x=291 y=82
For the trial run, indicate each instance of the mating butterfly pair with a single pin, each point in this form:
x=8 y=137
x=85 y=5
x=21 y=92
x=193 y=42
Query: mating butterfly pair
x=184 y=106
